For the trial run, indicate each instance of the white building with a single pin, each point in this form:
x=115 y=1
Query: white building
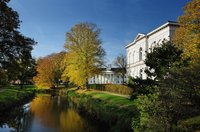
x=108 y=76
x=143 y=43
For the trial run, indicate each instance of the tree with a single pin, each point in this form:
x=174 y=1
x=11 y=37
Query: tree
x=176 y=94
x=120 y=62
x=8 y=26
x=49 y=70
x=187 y=36
x=13 y=45
x=24 y=64
x=84 y=53
x=161 y=59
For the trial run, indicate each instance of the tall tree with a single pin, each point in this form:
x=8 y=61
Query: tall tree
x=84 y=53
x=49 y=70
x=120 y=62
x=9 y=23
x=187 y=36
x=14 y=47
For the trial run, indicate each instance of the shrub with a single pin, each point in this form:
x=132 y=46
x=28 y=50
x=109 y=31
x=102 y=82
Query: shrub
x=121 y=89
x=140 y=86
x=97 y=86
x=115 y=88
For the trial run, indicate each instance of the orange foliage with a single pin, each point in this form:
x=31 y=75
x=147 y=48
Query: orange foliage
x=49 y=70
x=187 y=36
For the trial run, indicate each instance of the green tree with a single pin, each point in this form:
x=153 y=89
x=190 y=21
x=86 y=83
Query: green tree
x=8 y=26
x=161 y=59
x=120 y=62
x=14 y=47
x=84 y=53
x=176 y=91
x=187 y=36
x=160 y=110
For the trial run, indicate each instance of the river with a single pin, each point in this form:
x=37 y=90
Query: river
x=46 y=113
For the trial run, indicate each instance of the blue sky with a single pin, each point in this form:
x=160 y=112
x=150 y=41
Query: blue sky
x=47 y=21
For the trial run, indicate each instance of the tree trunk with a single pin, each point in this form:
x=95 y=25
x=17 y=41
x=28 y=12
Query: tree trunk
x=123 y=78
x=86 y=84
x=21 y=84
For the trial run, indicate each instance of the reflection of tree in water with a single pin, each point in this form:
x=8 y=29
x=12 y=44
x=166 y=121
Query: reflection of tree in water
x=53 y=112
x=44 y=109
x=71 y=121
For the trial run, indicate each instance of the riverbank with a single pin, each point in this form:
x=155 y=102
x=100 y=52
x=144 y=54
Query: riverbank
x=114 y=112
x=13 y=96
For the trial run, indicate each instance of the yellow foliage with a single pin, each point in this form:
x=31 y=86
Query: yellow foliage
x=44 y=109
x=187 y=36
x=84 y=53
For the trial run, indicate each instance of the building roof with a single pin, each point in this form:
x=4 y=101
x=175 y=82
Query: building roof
x=141 y=36
x=111 y=69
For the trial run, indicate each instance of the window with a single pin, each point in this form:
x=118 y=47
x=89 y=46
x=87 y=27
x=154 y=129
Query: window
x=159 y=42
x=129 y=58
x=153 y=45
x=140 y=54
x=133 y=56
x=164 y=40
x=140 y=73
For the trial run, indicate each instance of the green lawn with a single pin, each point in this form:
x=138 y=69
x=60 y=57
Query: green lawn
x=12 y=95
x=113 y=99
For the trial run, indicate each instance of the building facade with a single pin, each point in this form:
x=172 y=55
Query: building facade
x=108 y=76
x=143 y=43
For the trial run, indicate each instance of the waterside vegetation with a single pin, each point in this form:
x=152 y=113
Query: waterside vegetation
x=110 y=110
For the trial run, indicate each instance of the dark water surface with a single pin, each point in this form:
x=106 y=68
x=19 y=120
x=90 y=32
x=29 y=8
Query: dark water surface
x=47 y=114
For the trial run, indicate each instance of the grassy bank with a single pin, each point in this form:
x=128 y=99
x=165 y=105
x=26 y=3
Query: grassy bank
x=12 y=96
x=190 y=124
x=114 y=112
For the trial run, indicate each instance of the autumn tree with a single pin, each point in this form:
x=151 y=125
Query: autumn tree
x=49 y=70
x=187 y=36
x=84 y=53
x=120 y=62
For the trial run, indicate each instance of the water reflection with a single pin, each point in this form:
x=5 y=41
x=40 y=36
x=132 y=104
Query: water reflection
x=71 y=121
x=50 y=114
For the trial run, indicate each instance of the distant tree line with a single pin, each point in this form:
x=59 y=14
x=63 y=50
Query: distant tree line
x=82 y=59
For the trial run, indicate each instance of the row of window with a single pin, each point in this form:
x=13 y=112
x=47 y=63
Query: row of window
x=108 y=75
x=140 y=51
x=140 y=74
x=140 y=56
x=93 y=82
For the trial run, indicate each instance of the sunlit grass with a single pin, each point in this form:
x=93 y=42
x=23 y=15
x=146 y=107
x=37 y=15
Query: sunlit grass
x=109 y=98
x=12 y=95
x=114 y=110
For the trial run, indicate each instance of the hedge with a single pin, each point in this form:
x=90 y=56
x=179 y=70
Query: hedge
x=115 y=88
